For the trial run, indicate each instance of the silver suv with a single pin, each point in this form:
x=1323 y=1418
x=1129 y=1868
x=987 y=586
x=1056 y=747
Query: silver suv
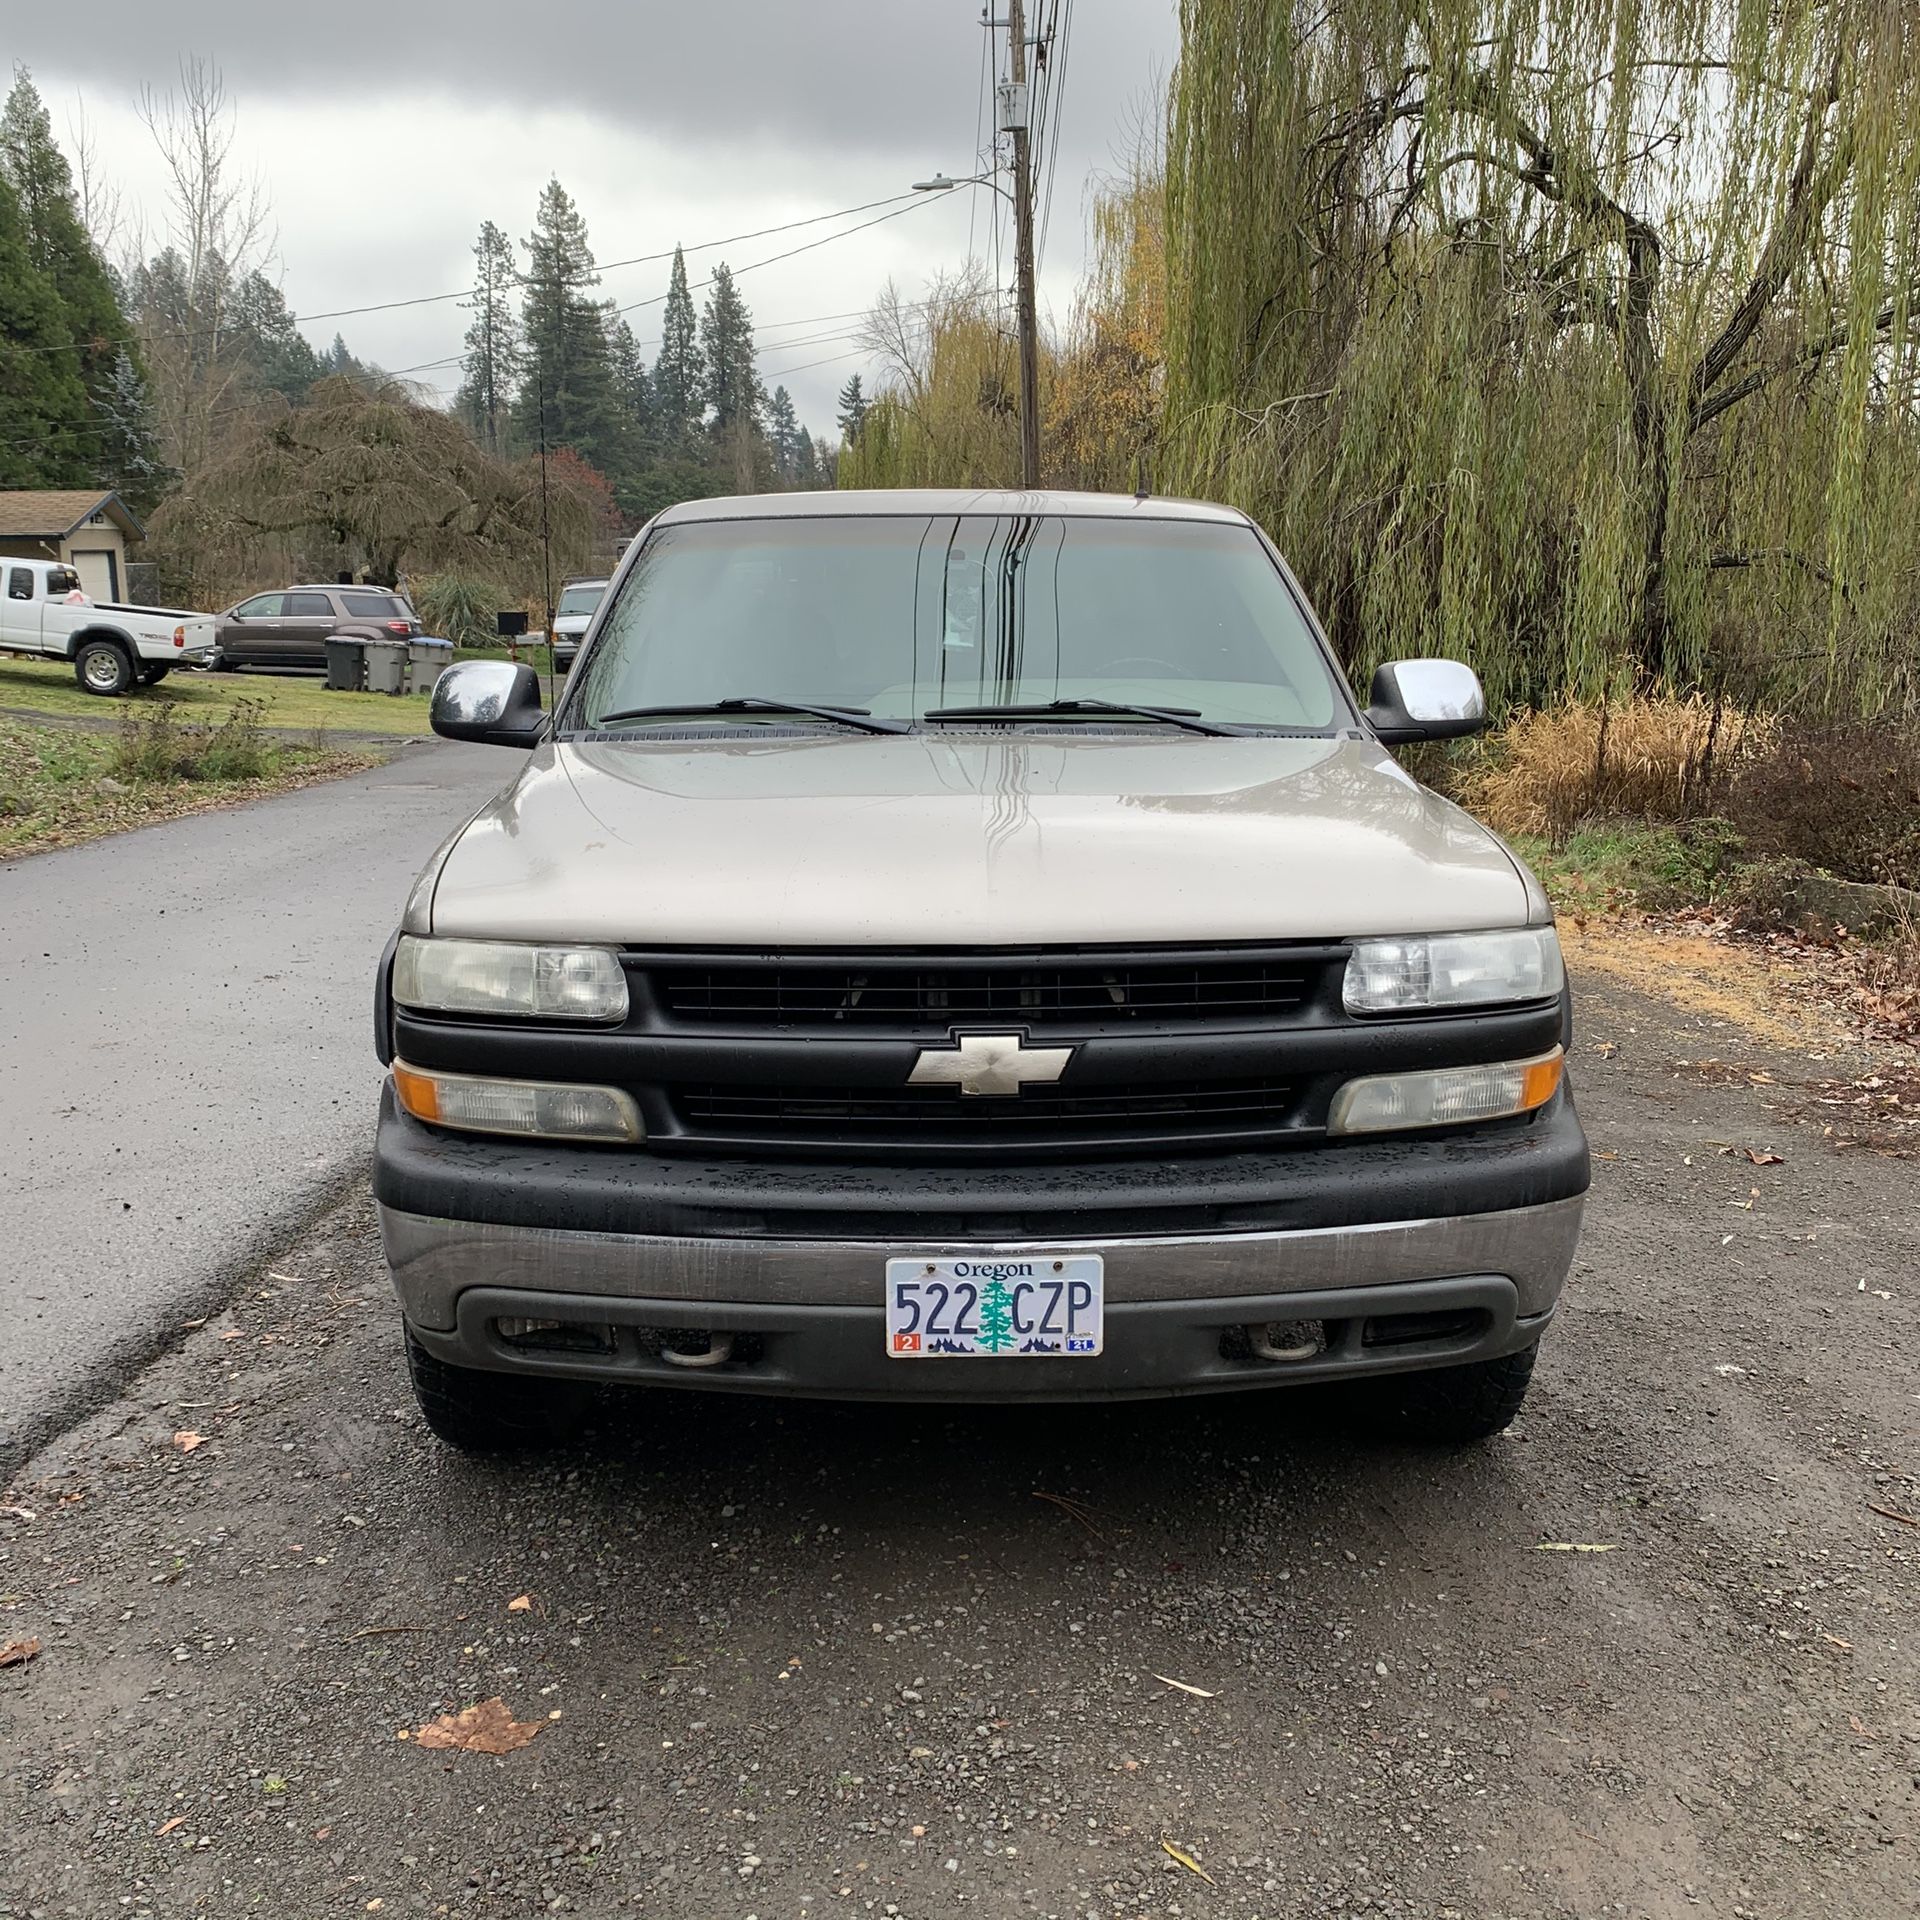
x=970 y=946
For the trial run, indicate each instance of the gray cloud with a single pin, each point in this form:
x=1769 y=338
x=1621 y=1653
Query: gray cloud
x=854 y=75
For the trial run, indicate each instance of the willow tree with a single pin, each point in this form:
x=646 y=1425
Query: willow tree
x=947 y=412
x=1575 y=336
x=371 y=479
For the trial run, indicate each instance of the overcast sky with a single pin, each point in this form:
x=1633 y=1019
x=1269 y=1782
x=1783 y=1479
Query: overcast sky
x=385 y=133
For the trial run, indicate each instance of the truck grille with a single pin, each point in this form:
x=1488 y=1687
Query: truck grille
x=910 y=1117
x=1215 y=988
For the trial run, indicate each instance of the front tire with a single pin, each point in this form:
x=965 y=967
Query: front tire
x=152 y=676
x=1455 y=1406
x=480 y=1412
x=103 y=667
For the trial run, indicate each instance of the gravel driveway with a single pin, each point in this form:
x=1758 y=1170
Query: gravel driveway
x=798 y=1661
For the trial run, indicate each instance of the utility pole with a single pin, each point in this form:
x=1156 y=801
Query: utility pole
x=1015 y=119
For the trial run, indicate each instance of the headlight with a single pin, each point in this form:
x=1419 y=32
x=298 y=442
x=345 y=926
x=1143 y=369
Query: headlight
x=1441 y=970
x=497 y=977
x=536 y=1109
x=1448 y=1097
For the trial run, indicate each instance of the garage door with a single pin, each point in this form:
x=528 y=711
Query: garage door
x=98 y=574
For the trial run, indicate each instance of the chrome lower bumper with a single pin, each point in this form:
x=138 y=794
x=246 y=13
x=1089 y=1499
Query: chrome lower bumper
x=434 y=1261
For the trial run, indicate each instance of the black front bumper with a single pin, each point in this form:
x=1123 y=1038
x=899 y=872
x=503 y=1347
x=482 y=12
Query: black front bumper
x=1511 y=1164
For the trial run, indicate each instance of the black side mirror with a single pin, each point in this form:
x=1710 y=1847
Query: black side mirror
x=1425 y=700
x=491 y=701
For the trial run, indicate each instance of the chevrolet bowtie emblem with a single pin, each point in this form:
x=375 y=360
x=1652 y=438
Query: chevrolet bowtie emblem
x=993 y=1064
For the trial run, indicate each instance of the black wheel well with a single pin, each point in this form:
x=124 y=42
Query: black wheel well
x=111 y=635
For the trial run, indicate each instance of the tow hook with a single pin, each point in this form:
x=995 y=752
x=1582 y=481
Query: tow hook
x=718 y=1352
x=1287 y=1340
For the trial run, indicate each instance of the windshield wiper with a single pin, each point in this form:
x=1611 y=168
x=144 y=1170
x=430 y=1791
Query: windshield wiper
x=753 y=703
x=1188 y=717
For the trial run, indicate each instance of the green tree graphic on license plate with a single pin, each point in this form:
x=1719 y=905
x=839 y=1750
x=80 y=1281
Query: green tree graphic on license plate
x=996 y=1317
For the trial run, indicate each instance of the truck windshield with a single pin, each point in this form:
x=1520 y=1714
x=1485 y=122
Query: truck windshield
x=580 y=599
x=900 y=615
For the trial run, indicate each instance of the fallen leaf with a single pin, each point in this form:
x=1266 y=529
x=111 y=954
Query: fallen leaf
x=1199 y=1693
x=1861 y=1728
x=521 y=1603
x=232 y=1333
x=1575 y=1546
x=488 y=1728
x=1765 y=1159
x=1834 y=1640
x=178 y=1820
x=16 y=1653
x=1189 y=1862
x=186 y=1440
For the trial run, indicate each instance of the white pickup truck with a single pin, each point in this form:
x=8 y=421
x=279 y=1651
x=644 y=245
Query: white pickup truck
x=43 y=611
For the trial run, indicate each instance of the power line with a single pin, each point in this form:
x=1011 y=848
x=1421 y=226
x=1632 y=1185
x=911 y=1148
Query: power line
x=1056 y=102
x=440 y=299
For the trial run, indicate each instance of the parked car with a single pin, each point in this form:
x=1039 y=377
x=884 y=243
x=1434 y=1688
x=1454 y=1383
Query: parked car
x=579 y=601
x=291 y=629
x=112 y=647
x=971 y=946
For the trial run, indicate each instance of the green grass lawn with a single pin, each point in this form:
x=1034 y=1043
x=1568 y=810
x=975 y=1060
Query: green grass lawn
x=60 y=785
x=298 y=701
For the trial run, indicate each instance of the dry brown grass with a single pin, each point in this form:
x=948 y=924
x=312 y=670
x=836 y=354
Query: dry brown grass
x=1653 y=759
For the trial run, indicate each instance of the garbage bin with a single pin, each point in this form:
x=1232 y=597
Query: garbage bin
x=386 y=666
x=427 y=660
x=346 y=664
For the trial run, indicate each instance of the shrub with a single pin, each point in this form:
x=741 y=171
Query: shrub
x=1650 y=759
x=460 y=607
x=149 y=744
x=236 y=749
x=1843 y=798
x=153 y=745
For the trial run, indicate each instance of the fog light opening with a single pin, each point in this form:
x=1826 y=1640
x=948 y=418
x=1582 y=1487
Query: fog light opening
x=555 y=1336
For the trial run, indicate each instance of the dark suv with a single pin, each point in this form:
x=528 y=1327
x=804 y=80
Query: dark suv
x=291 y=628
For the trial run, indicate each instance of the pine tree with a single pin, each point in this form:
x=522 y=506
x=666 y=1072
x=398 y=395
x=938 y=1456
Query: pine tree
x=806 y=471
x=278 y=355
x=853 y=409
x=726 y=345
x=566 y=387
x=679 y=373
x=784 y=436
x=123 y=414
x=49 y=439
x=492 y=361
x=59 y=249
x=631 y=387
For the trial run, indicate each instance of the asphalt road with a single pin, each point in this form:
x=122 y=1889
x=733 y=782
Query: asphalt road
x=1651 y=1654
x=186 y=1056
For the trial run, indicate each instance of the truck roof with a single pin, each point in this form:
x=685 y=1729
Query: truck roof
x=924 y=501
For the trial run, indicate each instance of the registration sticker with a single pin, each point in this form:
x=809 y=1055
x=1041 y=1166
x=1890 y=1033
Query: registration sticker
x=989 y=1307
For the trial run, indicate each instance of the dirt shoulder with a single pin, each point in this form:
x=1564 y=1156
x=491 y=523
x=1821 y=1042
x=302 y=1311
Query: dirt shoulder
x=59 y=788
x=796 y=1660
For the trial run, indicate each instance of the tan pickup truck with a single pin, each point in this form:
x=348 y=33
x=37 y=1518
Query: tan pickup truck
x=970 y=946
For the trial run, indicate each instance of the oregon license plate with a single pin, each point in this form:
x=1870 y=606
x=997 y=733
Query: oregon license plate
x=994 y=1308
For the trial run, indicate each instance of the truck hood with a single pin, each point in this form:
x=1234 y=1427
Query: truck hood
x=946 y=839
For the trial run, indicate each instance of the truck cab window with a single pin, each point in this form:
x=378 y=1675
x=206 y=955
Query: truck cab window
x=20 y=583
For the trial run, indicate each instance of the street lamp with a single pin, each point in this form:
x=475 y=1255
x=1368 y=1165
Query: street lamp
x=942 y=183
